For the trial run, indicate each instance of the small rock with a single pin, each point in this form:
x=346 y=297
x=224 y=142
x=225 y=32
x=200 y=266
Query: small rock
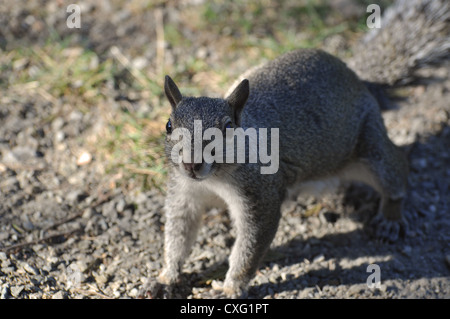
x=355 y=290
x=101 y=278
x=19 y=154
x=16 y=290
x=60 y=295
x=59 y=136
x=306 y=293
x=9 y=184
x=27 y=224
x=120 y=206
x=4 y=292
x=30 y=269
x=8 y=270
x=216 y=285
x=319 y=258
x=3 y=256
x=84 y=158
x=88 y=213
x=57 y=124
x=109 y=210
x=331 y=265
x=133 y=293
x=273 y=278
x=75 y=196
x=75 y=116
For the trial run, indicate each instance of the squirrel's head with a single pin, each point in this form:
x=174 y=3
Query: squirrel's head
x=196 y=130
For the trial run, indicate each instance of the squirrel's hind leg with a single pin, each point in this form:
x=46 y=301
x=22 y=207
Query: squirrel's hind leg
x=386 y=170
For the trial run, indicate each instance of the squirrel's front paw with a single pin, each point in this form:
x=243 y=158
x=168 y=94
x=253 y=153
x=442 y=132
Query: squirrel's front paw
x=388 y=230
x=230 y=288
x=161 y=288
x=154 y=289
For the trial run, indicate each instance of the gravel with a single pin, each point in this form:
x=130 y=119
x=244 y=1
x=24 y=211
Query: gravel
x=65 y=233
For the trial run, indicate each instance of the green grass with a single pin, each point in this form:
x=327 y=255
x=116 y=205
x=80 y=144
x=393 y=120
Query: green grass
x=132 y=143
x=56 y=71
x=135 y=145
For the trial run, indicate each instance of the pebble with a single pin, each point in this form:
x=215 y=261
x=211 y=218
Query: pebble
x=133 y=293
x=19 y=154
x=100 y=278
x=75 y=196
x=9 y=184
x=84 y=158
x=355 y=290
x=88 y=213
x=4 y=291
x=319 y=258
x=120 y=206
x=30 y=269
x=57 y=124
x=16 y=290
x=307 y=292
x=60 y=295
x=59 y=136
x=27 y=224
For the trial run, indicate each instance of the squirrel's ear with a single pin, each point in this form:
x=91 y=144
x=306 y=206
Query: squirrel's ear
x=172 y=92
x=238 y=98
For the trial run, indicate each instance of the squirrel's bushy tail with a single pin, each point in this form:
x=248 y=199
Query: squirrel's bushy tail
x=413 y=33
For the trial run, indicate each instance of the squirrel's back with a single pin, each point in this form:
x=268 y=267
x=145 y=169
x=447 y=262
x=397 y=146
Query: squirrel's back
x=304 y=80
x=303 y=93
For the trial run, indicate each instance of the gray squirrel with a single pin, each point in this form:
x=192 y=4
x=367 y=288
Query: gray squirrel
x=329 y=123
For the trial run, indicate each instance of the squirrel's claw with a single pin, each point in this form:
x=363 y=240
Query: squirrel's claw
x=388 y=230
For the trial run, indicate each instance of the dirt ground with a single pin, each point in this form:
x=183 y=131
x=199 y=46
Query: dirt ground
x=69 y=229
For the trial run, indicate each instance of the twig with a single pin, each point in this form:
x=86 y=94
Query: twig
x=115 y=51
x=143 y=171
x=93 y=292
x=102 y=199
x=38 y=241
x=63 y=221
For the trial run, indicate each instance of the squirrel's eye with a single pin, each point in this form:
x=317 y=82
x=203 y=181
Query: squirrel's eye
x=169 y=127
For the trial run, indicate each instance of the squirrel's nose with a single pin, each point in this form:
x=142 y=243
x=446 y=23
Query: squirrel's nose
x=191 y=167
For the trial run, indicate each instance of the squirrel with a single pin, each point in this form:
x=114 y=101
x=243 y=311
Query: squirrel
x=329 y=123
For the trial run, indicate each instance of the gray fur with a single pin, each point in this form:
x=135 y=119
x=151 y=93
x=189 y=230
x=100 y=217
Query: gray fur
x=330 y=126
